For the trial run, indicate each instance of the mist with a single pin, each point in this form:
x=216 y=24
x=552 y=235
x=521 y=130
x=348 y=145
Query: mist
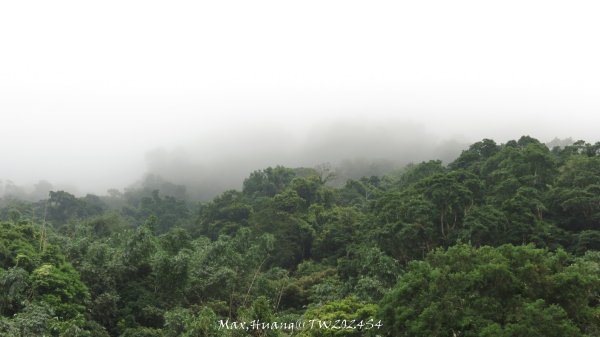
x=97 y=96
x=351 y=148
x=213 y=162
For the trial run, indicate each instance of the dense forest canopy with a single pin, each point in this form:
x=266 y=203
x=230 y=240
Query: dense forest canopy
x=502 y=241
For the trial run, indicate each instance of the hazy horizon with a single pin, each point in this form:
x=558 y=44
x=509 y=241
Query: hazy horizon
x=94 y=96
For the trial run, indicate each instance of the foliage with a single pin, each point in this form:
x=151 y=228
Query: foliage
x=509 y=290
x=503 y=241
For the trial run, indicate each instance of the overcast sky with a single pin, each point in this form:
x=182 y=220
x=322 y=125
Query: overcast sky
x=90 y=92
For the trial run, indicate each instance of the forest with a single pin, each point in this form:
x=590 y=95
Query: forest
x=502 y=241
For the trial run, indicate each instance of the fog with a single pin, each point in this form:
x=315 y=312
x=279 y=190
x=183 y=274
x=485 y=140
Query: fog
x=96 y=96
x=349 y=147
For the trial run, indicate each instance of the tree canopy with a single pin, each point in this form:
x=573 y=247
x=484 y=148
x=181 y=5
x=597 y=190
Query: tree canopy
x=503 y=241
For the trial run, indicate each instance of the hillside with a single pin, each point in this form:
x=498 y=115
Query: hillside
x=503 y=241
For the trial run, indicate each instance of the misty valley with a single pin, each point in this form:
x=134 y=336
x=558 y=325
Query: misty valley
x=503 y=240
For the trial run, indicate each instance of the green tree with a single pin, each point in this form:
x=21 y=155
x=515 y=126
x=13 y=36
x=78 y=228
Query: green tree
x=353 y=317
x=268 y=182
x=509 y=290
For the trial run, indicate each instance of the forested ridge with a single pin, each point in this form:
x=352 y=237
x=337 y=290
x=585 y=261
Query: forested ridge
x=503 y=241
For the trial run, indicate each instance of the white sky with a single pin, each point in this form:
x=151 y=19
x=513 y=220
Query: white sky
x=88 y=88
